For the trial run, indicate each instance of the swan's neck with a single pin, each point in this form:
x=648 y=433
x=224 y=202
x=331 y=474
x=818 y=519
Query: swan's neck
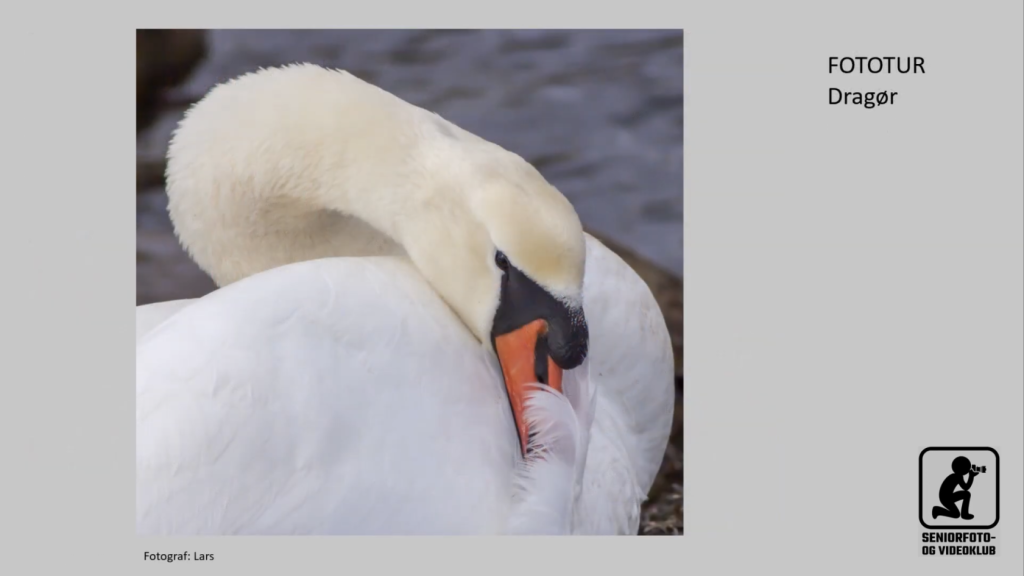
x=325 y=165
x=264 y=178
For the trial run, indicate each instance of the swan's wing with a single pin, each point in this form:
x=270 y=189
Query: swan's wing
x=337 y=396
x=633 y=373
x=150 y=316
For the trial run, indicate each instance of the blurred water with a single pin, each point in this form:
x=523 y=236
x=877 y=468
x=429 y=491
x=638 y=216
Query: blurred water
x=599 y=113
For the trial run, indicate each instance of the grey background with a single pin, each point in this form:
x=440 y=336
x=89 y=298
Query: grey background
x=936 y=466
x=854 y=282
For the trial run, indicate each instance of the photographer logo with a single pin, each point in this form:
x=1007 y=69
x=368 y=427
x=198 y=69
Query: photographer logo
x=958 y=490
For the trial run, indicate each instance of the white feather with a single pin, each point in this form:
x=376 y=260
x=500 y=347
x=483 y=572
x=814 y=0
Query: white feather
x=545 y=480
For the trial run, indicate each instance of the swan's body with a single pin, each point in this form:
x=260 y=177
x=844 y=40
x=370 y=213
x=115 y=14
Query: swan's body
x=341 y=380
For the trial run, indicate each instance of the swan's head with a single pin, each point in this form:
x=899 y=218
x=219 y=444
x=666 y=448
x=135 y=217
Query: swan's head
x=510 y=262
x=259 y=170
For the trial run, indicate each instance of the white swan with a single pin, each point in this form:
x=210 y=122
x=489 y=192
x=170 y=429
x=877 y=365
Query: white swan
x=374 y=259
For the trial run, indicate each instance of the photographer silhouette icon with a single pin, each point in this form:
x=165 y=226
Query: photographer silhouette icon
x=950 y=489
x=947 y=495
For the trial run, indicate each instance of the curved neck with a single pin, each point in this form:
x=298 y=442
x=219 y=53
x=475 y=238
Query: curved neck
x=339 y=168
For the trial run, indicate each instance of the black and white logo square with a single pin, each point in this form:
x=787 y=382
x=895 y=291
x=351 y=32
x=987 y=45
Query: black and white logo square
x=958 y=488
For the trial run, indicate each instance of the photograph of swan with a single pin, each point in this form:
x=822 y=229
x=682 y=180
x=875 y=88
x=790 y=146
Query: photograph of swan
x=407 y=329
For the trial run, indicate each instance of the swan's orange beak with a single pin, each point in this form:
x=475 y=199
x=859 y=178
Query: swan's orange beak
x=517 y=354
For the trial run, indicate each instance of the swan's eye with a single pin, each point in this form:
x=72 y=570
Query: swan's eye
x=501 y=261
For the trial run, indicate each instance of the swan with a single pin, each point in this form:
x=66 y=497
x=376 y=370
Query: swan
x=389 y=285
